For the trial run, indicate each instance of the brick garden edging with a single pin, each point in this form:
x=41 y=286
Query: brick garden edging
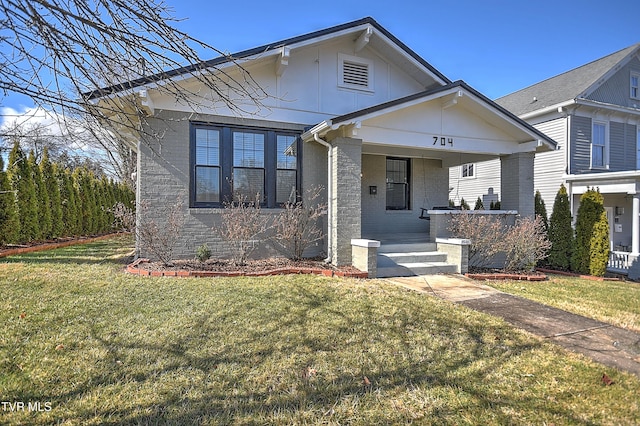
x=135 y=270
x=61 y=244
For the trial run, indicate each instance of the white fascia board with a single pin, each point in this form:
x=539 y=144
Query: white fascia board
x=535 y=137
x=608 y=106
x=318 y=129
x=411 y=58
x=629 y=174
x=553 y=108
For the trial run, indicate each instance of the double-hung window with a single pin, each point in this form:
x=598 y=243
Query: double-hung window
x=248 y=165
x=635 y=85
x=229 y=162
x=286 y=168
x=599 y=145
x=207 y=166
x=468 y=170
x=398 y=184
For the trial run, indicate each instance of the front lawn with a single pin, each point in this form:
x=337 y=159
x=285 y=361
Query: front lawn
x=94 y=345
x=613 y=302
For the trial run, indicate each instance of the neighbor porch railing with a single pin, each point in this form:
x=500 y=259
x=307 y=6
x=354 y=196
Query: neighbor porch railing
x=619 y=262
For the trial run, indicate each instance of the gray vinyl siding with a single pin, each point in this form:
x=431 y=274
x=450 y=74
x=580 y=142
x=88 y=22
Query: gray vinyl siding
x=551 y=166
x=622 y=147
x=581 y=146
x=616 y=89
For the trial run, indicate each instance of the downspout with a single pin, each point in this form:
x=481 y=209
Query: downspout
x=329 y=195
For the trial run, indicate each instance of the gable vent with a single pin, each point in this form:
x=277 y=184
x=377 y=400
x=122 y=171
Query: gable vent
x=355 y=74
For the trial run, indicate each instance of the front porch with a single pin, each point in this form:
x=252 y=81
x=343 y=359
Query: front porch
x=387 y=163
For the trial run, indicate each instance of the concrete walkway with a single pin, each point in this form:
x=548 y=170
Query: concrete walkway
x=604 y=343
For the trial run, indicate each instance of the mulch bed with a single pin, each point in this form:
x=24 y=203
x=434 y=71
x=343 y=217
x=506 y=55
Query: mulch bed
x=483 y=276
x=253 y=268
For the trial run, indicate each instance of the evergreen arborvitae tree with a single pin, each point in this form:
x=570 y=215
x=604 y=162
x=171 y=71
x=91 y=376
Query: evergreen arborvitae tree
x=599 y=246
x=560 y=232
x=9 y=223
x=21 y=180
x=464 y=205
x=479 y=205
x=541 y=210
x=67 y=201
x=591 y=207
x=43 y=201
x=52 y=186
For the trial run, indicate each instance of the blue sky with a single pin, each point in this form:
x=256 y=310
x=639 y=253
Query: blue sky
x=496 y=46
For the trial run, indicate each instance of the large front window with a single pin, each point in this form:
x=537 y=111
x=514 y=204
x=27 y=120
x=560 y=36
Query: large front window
x=397 y=184
x=228 y=162
x=599 y=145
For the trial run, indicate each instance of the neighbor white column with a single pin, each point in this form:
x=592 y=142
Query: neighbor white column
x=635 y=225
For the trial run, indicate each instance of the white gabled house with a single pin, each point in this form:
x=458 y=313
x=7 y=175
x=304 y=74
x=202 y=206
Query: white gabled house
x=350 y=108
x=593 y=112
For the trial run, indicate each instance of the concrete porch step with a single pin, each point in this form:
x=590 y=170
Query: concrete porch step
x=416 y=256
x=417 y=268
x=407 y=247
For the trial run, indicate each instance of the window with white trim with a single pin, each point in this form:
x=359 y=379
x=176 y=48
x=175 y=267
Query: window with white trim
x=599 y=145
x=355 y=73
x=468 y=170
x=634 y=84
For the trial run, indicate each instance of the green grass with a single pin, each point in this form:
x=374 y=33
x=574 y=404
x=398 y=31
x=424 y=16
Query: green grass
x=274 y=350
x=613 y=302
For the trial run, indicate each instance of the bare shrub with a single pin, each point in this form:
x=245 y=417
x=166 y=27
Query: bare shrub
x=124 y=217
x=525 y=244
x=242 y=226
x=485 y=232
x=160 y=238
x=297 y=227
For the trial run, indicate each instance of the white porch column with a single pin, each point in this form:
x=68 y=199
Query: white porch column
x=635 y=225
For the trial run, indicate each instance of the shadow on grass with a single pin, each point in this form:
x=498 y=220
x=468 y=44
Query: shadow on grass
x=257 y=380
x=116 y=250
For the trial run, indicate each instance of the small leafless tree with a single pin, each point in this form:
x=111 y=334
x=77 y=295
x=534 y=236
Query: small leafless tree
x=68 y=56
x=297 y=227
x=124 y=218
x=160 y=238
x=242 y=226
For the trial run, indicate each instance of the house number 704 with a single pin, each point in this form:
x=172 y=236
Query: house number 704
x=443 y=141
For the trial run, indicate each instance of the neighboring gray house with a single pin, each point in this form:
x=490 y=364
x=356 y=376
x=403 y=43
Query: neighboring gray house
x=351 y=108
x=593 y=112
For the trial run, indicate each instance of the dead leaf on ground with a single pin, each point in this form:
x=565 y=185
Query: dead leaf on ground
x=23 y=315
x=59 y=347
x=607 y=380
x=366 y=381
x=309 y=372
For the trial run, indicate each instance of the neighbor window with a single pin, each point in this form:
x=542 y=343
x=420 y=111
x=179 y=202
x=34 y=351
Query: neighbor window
x=397 y=184
x=468 y=170
x=635 y=85
x=638 y=148
x=247 y=162
x=355 y=72
x=599 y=145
